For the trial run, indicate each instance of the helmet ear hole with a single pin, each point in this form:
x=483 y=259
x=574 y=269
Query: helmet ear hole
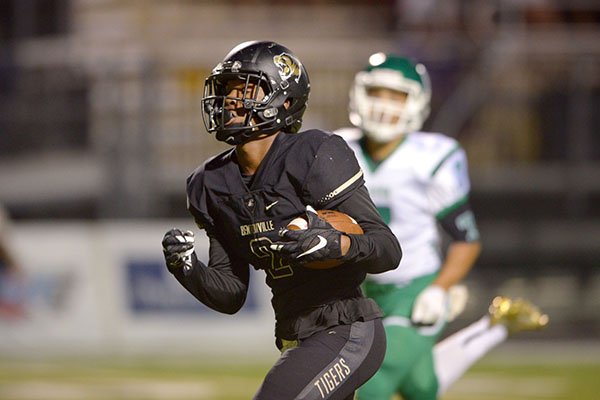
x=269 y=113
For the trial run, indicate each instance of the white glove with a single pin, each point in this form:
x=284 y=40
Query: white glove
x=458 y=296
x=431 y=305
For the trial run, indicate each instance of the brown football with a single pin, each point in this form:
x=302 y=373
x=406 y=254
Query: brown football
x=340 y=221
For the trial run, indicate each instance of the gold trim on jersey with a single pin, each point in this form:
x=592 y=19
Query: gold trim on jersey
x=342 y=187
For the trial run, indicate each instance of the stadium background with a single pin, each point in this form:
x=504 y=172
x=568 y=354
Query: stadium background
x=100 y=125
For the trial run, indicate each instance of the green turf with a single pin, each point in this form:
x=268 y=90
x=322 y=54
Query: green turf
x=147 y=379
x=487 y=381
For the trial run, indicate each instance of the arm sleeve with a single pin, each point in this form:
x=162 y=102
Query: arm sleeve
x=459 y=223
x=333 y=176
x=197 y=203
x=377 y=250
x=449 y=182
x=222 y=285
x=449 y=196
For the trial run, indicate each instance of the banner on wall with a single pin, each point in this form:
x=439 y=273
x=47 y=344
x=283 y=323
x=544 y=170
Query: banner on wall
x=89 y=287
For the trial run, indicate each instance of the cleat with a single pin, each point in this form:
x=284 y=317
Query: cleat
x=517 y=315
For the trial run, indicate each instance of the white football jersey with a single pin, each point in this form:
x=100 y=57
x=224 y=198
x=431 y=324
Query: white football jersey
x=424 y=177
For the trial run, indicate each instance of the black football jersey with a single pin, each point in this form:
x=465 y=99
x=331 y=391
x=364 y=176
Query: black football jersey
x=310 y=168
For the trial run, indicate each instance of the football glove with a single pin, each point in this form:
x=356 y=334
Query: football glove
x=178 y=248
x=431 y=305
x=457 y=297
x=319 y=241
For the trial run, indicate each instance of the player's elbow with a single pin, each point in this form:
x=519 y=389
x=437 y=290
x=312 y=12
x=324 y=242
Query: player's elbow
x=397 y=256
x=230 y=310
x=227 y=302
x=230 y=307
x=395 y=253
x=390 y=258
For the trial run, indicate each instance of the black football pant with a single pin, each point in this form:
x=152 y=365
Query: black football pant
x=330 y=364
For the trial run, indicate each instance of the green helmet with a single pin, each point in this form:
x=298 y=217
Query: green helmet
x=384 y=119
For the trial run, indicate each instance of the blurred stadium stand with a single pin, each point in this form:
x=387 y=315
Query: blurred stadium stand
x=99 y=114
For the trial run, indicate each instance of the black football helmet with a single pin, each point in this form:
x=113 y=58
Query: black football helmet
x=281 y=76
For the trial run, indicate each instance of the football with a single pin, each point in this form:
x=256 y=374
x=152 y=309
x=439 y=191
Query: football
x=340 y=221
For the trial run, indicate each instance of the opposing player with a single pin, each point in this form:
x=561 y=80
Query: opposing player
x=419 y=181
x=453 y=356
x=331 y=336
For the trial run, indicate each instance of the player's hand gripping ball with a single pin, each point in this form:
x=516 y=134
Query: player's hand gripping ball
x=315 y=241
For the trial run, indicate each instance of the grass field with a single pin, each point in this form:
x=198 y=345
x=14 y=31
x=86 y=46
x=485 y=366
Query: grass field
x=507 y=374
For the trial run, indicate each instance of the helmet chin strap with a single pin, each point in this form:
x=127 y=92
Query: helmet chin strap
x=250 y=130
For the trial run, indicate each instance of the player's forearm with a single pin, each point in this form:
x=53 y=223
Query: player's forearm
x=460 y=258
x=214 y=288
x=378 y=249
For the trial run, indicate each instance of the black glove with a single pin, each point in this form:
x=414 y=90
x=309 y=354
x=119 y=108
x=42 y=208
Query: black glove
x=178 y=248
x=319 y=241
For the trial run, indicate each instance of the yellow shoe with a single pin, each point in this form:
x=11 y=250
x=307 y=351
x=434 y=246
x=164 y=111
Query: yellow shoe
x=517 y=315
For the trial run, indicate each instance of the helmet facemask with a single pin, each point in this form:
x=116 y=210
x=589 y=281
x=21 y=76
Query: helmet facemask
x=259 y=112
x=384 y=119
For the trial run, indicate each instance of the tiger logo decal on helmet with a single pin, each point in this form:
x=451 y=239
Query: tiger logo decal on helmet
x=288 y=66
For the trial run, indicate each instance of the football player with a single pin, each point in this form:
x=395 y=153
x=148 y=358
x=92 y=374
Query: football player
x=419 y=182
x=456 y=353
x=331 y=336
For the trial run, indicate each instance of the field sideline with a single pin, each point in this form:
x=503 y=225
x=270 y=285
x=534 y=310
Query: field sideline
x=523 y=372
